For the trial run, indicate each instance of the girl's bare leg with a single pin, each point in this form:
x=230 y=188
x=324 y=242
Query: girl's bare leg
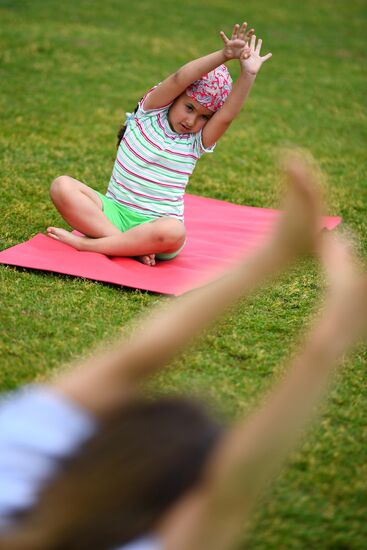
x=162 y=235
x=81 y=207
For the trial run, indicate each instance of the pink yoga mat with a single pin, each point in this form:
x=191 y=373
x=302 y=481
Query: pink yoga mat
x=217 y=233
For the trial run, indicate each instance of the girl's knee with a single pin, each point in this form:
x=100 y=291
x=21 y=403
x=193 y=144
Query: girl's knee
x=60 y=187
x=178 y=232
x=171 y=231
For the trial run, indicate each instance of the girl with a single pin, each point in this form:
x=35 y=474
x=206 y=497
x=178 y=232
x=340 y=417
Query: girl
x=142 y=214
x=115 y=467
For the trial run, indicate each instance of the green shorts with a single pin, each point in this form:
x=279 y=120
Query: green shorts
x=124 y=219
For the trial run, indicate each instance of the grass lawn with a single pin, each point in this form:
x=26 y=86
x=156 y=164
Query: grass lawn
x=68 y=72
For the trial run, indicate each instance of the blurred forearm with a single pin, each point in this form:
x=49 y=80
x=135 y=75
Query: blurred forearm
x=101 y=382
x=253 y=451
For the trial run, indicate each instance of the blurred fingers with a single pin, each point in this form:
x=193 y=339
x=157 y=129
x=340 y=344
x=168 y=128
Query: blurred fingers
x=242 y=31
x=235 y=31
x=249 y=34
x=266 y=57
x=224 y=37
x=246 y=52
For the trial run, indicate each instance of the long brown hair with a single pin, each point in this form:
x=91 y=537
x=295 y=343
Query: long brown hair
x=123 y=480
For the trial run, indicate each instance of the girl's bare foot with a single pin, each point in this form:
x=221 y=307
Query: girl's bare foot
x=66 y=237
x=79 y=243
x=147 y=259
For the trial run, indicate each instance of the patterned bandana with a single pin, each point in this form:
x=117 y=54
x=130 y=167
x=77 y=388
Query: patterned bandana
x=212 y=89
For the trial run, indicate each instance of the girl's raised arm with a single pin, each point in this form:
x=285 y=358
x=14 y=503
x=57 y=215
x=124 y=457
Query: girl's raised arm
x=102 y=382
x=175 y=84
x=250 y=61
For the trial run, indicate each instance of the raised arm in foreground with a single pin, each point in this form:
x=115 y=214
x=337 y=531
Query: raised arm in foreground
x=249 y=455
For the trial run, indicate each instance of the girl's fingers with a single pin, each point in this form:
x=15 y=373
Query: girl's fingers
x=235 y=31
x=253 y=42
x=266 y=57
x=246 y=52
x=242 y=31
x=258 y=46
x=249 y=34
x=224 y=37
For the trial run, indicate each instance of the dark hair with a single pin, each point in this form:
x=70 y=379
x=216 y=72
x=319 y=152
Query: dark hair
x=123 y=480
x=122 y=130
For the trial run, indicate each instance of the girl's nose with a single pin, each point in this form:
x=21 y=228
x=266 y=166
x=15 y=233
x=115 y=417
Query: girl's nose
x=190 y=121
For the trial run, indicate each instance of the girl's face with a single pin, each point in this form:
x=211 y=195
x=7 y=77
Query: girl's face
x=187 y=116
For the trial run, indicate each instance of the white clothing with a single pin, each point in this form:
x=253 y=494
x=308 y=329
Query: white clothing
x=38 y=429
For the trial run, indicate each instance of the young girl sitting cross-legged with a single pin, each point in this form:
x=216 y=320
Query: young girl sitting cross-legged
x=142 y=213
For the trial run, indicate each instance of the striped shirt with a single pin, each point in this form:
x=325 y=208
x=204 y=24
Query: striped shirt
x=153 y=164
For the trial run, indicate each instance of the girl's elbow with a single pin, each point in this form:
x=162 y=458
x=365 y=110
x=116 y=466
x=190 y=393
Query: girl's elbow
x=178 y=77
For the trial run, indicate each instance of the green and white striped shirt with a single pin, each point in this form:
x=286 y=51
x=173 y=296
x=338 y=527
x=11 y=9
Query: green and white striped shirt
x=153 y=164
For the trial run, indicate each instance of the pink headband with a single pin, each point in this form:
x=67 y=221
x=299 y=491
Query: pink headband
x=212 y=89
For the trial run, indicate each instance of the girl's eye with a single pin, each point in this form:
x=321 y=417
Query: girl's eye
x=189 y=107
x=205 y=117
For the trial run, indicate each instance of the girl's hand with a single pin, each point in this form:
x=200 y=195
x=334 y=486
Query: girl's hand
x=250 y=57
x=233 y=47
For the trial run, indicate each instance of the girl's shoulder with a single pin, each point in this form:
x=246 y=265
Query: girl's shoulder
x=141 y=108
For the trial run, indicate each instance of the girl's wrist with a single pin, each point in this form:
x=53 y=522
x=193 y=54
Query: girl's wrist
x=225 y=56
x=247 y=74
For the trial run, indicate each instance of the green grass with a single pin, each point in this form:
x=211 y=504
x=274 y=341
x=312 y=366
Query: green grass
x=68 y=72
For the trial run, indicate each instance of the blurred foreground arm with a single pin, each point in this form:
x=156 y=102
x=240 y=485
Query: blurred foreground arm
x=103 y=381
x=246 y=459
